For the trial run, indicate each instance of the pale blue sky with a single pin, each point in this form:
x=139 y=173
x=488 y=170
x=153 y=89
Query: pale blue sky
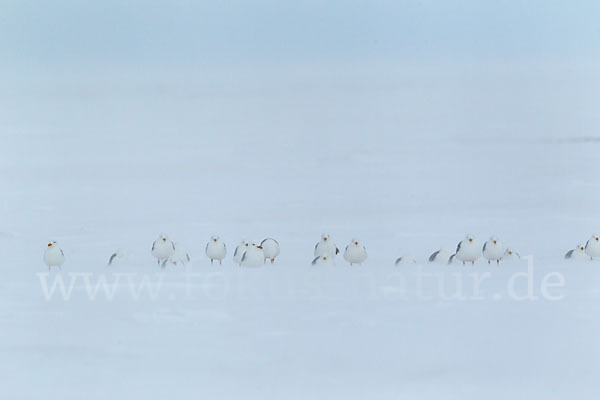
x=40 y=33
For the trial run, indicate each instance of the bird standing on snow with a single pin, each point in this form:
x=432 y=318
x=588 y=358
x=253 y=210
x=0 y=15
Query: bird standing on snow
x=216 y=249
x=322 y=260
x=468 y=250
x=441 y=256
x=493 y=250
x=326 y=247
x=510 y=254
x=253 y=256
x=162 y=249
x=119 y=257
x=405 y=260
x=592 y=247
x=239 y=251
x=355 y=252
x=270 y=248
x=578 y=253
x=54 y=256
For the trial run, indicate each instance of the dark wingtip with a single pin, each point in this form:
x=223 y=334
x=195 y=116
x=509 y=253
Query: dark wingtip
x=432 y=257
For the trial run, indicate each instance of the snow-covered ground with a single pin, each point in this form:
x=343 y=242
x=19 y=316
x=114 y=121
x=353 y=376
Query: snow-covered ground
x=405 y=158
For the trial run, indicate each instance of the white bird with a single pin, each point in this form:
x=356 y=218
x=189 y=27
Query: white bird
x=216 y=249
x=270 y=249
x=493 y=250
x=322 y=260
x=119 y=257
x=510 y=254
x=180 y=256
x=592 y=247
x=239 y=251
x=468 y=250
x=355 y=252
x=326 y=247
x=405 y=260
x=162 y=249
x=441 y=256
x=54 y=256
x=253 y=256
x=578 y=253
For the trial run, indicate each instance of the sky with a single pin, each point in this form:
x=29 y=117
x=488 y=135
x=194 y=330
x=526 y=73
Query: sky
x=39 y=34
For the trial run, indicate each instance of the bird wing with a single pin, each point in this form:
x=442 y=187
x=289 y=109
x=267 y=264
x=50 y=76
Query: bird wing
x=458 y=247
x=173 y=244
x=61 y=252
x=187 y=256
x=586 y=244
x=398 y=260
x=315 y=260
x=236 y=251
x=569 y=254
x=485 y=244
x=433 y=256
x=206 y=248
x=451 y=258
x=153 y=244
x=337 y=251
x=261 y=243
x=112 y=258
x=243 y=256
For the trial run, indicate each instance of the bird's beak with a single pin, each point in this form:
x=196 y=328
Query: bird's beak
x=510 y=252
x=495 y=242
x=260 y=247
x=214 y=240
x=49 y=244
x=470 y=240
x=356 y=243
x=164 y=239
x=325 y=239
x=597 y=239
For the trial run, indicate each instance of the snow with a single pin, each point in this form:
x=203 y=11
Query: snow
x=406 y=158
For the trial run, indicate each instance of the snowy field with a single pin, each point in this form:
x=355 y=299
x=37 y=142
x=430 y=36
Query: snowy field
x=406 y=158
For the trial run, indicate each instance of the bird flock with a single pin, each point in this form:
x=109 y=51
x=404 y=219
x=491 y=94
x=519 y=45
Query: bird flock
x=253 y=254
